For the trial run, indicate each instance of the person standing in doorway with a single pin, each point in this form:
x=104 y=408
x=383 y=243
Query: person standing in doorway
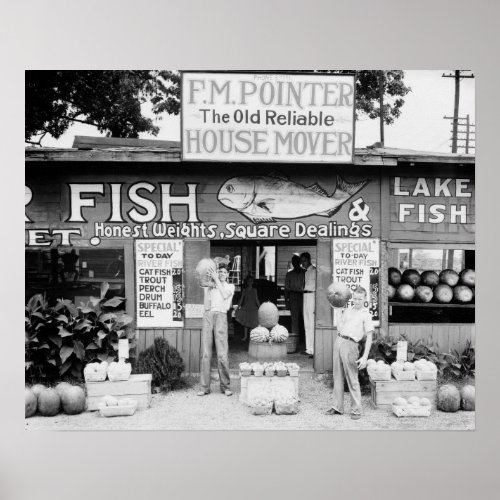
x=355 y=323
x=218 y=301
x=294 y=295
x=247 y=313
x=309 y=301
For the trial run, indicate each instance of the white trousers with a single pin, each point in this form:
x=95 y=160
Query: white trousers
x=309 y=302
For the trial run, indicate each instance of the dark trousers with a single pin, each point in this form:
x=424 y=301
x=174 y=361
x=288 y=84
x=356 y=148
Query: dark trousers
x=297 y=312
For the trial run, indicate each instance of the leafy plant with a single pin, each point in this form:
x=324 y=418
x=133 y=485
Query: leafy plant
x=164 y=363
x=461 y=364
x=60 y=340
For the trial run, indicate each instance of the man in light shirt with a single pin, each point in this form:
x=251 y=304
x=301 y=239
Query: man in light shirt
x=309 y=301
x=355 y=323
x=218 y=301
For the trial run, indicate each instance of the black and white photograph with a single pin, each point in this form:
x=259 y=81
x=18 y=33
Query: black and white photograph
x=250 y=250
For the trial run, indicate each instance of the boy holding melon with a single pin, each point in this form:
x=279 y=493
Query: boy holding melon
x=218 y=300
x=355 y=323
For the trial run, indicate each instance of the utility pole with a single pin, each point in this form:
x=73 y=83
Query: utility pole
x=464 y=126
x=381 y=101
x=457 y=77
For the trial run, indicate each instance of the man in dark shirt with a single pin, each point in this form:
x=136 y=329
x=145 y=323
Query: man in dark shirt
x=294 y=286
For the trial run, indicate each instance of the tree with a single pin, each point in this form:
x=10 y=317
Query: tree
x=108 y=100
x=111 y=100
x=368 y=92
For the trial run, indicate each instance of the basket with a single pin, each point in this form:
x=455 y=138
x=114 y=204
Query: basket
x=403 y=375
x=117 y=411
x=293 y=373
x=95 y=376
x=261 y=410
x=282 y=372
x=286 y=408
x=258 y=373
x=379 y=375
x=426 y=375
x=411 y=411
x=292 y=343
x=270 y=372
x=118 y=377
x=246 y=373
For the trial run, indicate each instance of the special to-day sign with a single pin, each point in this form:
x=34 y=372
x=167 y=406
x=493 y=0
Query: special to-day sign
x=357 y=263
x=158 y=281
x=296 y=117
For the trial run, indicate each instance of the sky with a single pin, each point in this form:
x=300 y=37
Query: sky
x=420 y=127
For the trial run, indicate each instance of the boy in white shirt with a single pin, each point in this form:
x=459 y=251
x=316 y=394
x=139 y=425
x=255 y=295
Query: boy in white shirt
x=218 y=301
x=354 y=324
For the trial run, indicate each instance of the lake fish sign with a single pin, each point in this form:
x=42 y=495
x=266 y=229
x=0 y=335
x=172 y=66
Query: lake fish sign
x=272 y=197
x=258 y=117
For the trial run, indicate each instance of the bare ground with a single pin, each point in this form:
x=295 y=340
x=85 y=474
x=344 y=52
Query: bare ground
x=184 y=410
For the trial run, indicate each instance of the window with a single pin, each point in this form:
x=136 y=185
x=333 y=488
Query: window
x=74 y=274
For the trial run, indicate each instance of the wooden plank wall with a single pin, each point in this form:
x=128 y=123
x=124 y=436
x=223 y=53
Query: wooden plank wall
x=444 y=336
x=187 y=341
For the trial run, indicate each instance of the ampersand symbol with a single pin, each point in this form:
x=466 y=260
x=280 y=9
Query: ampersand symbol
x=359 y=210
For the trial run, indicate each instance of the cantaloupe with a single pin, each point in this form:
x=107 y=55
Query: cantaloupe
x=424 y=402
x=400 y=402
x=448 y=398
x=30 y=403
x=73 y=400
x=468 y=398
x=408 y=367
x=268 y=315
x=414 y=400
x=49 y=403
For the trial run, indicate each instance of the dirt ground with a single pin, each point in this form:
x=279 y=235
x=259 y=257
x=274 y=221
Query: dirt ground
x=184 y=410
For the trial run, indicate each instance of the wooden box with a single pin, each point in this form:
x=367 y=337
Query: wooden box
x=383 y=393
x=137 y=387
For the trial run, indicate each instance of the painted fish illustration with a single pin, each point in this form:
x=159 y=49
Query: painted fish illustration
x=274 y=196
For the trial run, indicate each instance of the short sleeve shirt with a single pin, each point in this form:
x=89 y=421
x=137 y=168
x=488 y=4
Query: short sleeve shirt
x=355 y=323
x=217 y=302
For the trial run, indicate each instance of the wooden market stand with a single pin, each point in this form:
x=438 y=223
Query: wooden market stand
x=126 y=161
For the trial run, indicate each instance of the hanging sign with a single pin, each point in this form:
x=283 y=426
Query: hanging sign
x=292 y=118
x=158 y=282
x=356 y=262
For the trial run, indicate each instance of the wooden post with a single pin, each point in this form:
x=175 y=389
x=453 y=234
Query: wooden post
x=384 y=253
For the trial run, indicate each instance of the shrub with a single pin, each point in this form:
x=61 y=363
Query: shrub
x=164 y=363
x=60 y=340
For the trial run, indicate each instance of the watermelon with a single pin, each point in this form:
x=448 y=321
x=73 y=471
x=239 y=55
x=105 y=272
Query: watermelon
x=400 y=402
x=430 y=278
x=49 y=403
x=448 y=398
x=37 y=389
x=394 y=277
x=73 y=400
x=204 y=267
x=268 y=315
x=30 y=402
x=61 y=387
x=468 y=398
x=411 y=277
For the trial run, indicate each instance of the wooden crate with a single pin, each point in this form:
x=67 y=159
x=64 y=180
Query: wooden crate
x=383 y=393
x=137 y=387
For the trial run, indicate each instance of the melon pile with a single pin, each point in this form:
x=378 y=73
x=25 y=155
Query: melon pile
x=378 y=370
x=112 y=401
x=450 y=399
x=446 y=287
x=48 y=402
x=414 y=401
x=268 y=330
x=98 y=372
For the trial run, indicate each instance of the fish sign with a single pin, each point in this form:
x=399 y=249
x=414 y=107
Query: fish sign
x=275 y=196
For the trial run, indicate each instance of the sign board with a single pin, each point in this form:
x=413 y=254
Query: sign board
x=268 y=117
x=356 y=262
x=402 y=351
x=159 y=283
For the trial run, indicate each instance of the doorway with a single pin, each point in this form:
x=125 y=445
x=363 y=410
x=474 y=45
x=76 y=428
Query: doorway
x=267 y=262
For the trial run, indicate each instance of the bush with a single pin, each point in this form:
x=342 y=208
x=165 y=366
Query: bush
x=60 y=340
x=164 y=363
